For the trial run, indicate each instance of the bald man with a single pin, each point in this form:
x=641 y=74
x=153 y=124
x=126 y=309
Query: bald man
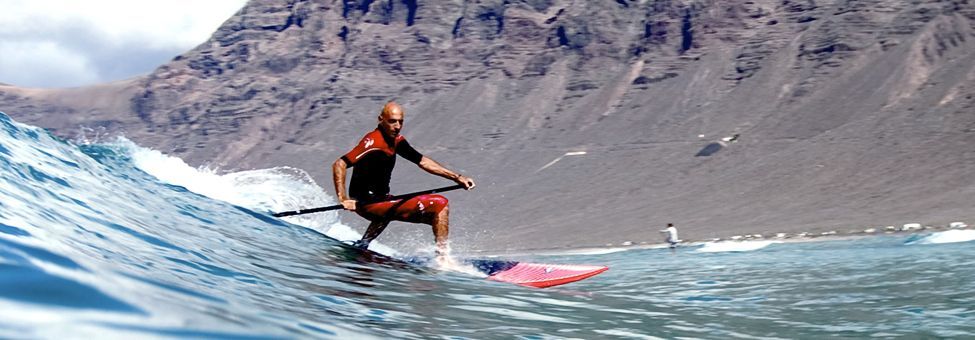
x=373 y=159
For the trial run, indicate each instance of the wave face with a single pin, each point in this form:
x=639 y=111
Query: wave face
x=112 y=240
x=89 y=242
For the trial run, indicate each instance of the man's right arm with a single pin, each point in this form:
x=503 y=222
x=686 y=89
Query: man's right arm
x=338 y=177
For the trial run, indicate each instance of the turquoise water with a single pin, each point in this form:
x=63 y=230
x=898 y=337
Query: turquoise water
x=110 y=239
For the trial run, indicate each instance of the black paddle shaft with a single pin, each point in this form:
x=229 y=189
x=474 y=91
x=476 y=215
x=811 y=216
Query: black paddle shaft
x=339 y=206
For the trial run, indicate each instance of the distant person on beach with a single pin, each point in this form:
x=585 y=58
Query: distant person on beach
x=373 y=159
x=671 y=233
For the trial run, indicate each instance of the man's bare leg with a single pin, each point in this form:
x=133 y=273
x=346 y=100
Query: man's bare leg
x=441 y=227
x=372 y=232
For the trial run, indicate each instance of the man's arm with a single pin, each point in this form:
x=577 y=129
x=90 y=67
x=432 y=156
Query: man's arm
x=338 y=177
x=431 y=166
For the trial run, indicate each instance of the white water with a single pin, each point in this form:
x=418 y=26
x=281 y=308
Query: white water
x=730 y=246
x=949 y=236
x=271 y=190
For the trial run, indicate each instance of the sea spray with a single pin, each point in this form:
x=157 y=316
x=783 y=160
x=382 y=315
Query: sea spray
x=265 y=190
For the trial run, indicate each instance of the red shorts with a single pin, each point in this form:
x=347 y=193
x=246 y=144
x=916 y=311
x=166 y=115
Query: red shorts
x=419 y=209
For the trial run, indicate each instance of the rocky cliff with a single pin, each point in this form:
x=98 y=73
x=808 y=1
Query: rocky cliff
x=849 y=114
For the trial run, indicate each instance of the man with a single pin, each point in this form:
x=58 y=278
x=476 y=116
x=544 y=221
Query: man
x=671 y=234
x=373 y=160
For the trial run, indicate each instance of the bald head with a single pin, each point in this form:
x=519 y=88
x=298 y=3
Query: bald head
x=391 y=119
x=391 y=108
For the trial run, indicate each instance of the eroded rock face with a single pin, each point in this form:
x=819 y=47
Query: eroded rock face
x=844 y=107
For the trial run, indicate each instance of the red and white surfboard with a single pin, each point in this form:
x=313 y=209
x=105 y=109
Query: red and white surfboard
x=536 y=274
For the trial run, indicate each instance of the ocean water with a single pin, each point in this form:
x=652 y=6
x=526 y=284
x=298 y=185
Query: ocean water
x=107 y=239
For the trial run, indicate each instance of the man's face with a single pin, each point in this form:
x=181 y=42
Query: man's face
x=391 y=122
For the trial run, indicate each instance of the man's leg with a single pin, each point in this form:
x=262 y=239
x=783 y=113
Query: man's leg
x=375 y=228
x=379 y=215
x=441 y=227
x=425 y=209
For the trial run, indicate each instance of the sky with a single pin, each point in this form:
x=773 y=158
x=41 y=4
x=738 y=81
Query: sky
x=67 y=43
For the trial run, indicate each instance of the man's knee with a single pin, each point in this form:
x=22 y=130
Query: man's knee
x=434 y=203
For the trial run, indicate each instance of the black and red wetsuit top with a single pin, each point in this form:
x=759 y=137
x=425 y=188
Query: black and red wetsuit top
x=373 y=159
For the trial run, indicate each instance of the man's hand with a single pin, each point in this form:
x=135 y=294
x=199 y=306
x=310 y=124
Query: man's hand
x=349 y=205
x=467 y=182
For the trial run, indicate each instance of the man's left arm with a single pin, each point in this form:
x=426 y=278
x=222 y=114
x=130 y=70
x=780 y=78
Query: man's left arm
x=431 y=166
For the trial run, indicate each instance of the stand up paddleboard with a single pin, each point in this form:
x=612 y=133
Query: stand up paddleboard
x=536 y=275
x=527 y=274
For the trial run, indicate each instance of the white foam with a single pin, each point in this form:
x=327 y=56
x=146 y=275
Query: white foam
x=452 y=265
x=718 y=247
x=275 y=189
x=949 y=236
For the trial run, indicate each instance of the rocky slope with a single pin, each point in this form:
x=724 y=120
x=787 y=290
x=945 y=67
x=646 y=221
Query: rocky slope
x=850 y=114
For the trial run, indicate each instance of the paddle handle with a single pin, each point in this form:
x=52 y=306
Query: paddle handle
x=339 y=206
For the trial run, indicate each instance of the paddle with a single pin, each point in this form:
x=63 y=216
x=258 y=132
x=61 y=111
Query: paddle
x=339 y=206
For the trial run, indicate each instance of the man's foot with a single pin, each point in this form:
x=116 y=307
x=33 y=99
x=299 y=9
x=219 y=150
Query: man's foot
x=443 y=258
x=445 y=261
x=361 y=244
